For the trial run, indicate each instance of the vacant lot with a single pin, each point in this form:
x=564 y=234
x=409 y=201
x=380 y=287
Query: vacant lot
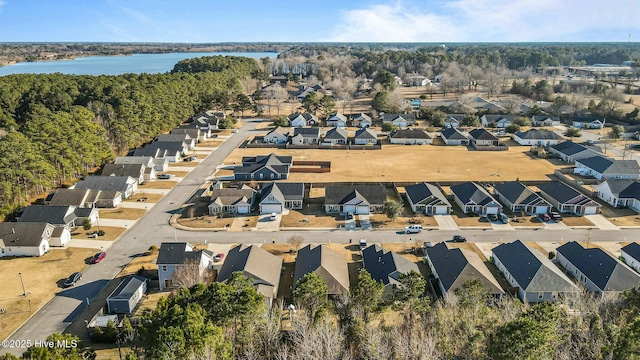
x=415 y=163
x=110 y=233
x=42 y=278
x=122 y=214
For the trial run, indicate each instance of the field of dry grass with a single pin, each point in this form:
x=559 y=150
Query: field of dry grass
x=311 y=216
x=150 y=197
x=576 y=221
x=158 y=184
x=110 y=233
x=122 y=213
x=178 y=173
x=206 y=222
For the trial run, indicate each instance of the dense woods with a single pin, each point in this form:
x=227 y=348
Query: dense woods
x=56 y=127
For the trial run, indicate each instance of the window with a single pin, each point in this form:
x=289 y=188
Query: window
x=168 y=283
x=164 y=268
x=261 y=176
x=540 y=295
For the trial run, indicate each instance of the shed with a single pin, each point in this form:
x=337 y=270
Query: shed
x=125 y=298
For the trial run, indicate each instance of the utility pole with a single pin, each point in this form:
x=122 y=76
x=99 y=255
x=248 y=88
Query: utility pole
x=24 y=292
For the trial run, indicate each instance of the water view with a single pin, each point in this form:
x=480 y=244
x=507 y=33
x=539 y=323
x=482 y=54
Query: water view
x=116 y=65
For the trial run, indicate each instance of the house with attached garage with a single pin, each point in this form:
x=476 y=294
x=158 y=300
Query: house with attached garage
x=231 y=201
x=125 y=298
x=173 y=154
x=305 y=136
x=257 y=264
x=337 y=120
x=25 y=239
x=428 y=199
x=263 y=167
x=335 y=136
x=279 y=135
x=357 y=199
x=185 y=138
x=136 y=171
x=192 y=131
x=410 y=137
x=177 y=256
x=620 y=193
x=518 y=197
x=386 y=267
x=597 y=270
x=631 y=255
x=330 y=265
x=481 y=137
x=58 y=216
x=277 y=196
x=126 y=185
x=302 y=120
x=84 y=198
x=570 y=151
x=532 y=273
x=567 y=199
x=453 y=120
x=399 y=120
x=589 y=122
x=536 y=137
x=148 y=161
x=501 y=121
x=365 y=136
x=473 y=198
x=544 y=120
x=452 y=267
x=361 y=120
x=453 y=136
x=603 y=168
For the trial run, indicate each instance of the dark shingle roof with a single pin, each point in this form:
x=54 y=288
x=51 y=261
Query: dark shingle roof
x=392 y=117
x=472 y=192
x=337 y=133
x=330 y=265
x=410 y=134
x=373 y=194
x=55 y=215
x=482 y=134
x=605 y=165
x=423 y=191
x=133 y=170
x=453 y=133
x=366 y=133
x=517 y=193
x=66 y=197
x=230 y=196
x=127 y=287
x=535 y=134
x=588 y=119
x=633 y=249
x=307 y=132
x=251 y=164
x=263 y=267
x=24 y=234
x=284 y=191
x=559 y=191
x=105 y=183
x=385 y=266
x=174 y=253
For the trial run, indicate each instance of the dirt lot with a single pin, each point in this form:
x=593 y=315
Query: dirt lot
x=415 y=163
x=311 y=215
x=158 y=184
x=110 y=233
x=42 y=278
x=122 y=214
x=526 y=221
x=150 y=197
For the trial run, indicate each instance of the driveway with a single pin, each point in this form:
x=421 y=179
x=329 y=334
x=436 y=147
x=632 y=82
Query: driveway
x=266 y=224
x=446 y=222
x=365 y=222
x=601 y=222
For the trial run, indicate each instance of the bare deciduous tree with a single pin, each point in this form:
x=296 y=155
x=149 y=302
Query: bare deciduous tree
x=295 y=241
x=191 y=273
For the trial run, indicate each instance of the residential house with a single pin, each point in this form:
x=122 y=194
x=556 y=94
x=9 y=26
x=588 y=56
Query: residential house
x=603 y=168
x=277 y=196
x=280 y=80
x=414 y=79
x=136 y=171
x=386 y=267
x=399 y=120
x=263 y=167
x=410 y=137
x=536 y=277
x=597 y=270
x=207 y=121
x=452 y=267
x=544 y=120
x=84 y=198
x=25 y=239
x=481 y=137
x=365 y=136
x=60 y=236
x=536 y=137
x=126 y=297
x=330 y=265
x=302 y=119
x=518 y=197
x=58 y=216
x=631 y=255
x=185 y=138
x=279 y=135
x=588 y=122
x=473 y=198
x=174 y=154
x=336 y=136
x=427 y=198
x=193 y=132
x=453 y=136
x=453 y=120
x=357 y=199
x=126 y=185
x=305 y=136
x=170 y=147
x=361 y=120
x=620 y=193
x=259 y=265
x=500 y=121
x=567 y=199
x=570 y=151
x=176 y=255
x=231 y=201
x=337 y=120
x=148 y=161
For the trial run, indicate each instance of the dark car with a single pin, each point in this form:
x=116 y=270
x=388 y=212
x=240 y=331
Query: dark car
x=545 y=217
x=190 y=158
x=492 y=217
x=98 y=257
x=556 y=216
x=459 y=238
x=73 y=279
x=218 y=257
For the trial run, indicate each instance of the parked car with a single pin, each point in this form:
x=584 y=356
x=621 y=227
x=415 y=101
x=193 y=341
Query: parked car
x=235 y=131
x=545 y=217
x=504 y=218
x=98 y=257
x=273 y=217
x=218 y=257
x=363 y=243
x=163 y=176
x=349 y=216
x=459 y=238
x=73 y=279
x=556 y=216
x=190 y=158
x=413 y=229
x=492 y=217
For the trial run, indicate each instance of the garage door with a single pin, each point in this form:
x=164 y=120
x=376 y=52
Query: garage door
x=363 y=209
x=590 y=210
x=349 y=208
x=243 y=209
x=493 y=210
x=541 y=209
x=440 y=210
x=270 y=208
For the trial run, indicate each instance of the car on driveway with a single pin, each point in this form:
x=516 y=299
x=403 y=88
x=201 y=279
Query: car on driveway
x=98 y=257
x=163 y=176
x=218 y=257
x=459 y=238
x=73 y=279
x=492 y=217
x=556 y=216
x=545 y=217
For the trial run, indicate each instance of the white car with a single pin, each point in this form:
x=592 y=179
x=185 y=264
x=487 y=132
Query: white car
x=413 y=229
x=236 y=131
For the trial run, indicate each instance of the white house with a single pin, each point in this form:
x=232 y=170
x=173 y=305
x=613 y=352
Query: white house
x=174 y=255
x=631 y=255
x=589 y=122
x=601 y=168
x=543 y=120
x=537 y=138
x=365 y=136
x=24 y=239
x=279 y=135
x=337 y=120
x=278 y=196
x=453 y=136
x=410 y=137
x=361 y=120
x=302 y=120
x=473 y=198
x=620 y=193
x=427 y=198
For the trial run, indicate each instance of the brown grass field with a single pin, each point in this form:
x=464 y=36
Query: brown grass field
x=158 y=184
x=206 y=222
x=150 y=197
x=314 y=215
x=576 y=221
x=178 y=173
x=122 y=214
x=42 y=277
x=110 y=233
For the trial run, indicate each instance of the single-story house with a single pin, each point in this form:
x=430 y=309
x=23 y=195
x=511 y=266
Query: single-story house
x=336 y=136
x=536 y=277
x=58 y=216
x=136 y=171
x=185 y=138
x=192 y=131
x=416 y=80
x=453 y=136
x=473 y=198
x=125 y=298
x=257 y=264
x=361 y=120
x=603 y=168
x=631 y=255
x=83 y=198
x=365 y=136
x=567 y=199
x=501 y=121
x=337 y=120
x=25 y=239
x=427 y=198
x=147 y=161
x=231 y=201
x=279 y=135
x=330 y=265
x=518 y=197
x=302 y=120
x=305 y=136
x=570 y=151
x=453 y=120
x=481 y=137
x=537 y=138
x=357 y=199
x=386 y=267
x=174 y=255
x=399 y=120
x=277 y=196
x=588 y=122
x=410 y=137
x=597 y=270
x=544 y=120
x=126 y=185
x=620 y=193
x=452 y=267
x=263 y=167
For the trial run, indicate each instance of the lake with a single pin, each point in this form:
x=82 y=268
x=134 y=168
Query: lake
x=116 y=65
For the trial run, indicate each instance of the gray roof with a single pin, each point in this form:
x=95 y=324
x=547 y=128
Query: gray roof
x=471 y=192
x=605 y=165
x=106 y=183
x=174 y=137
x=24 y=234
x=455 y=266
x=306 y=116
x=190 y=130
x=570 y=148
x=366 y=133
x=537 y=118
x=251 y=164
x=455 y=117
x=175 y=253
x=453 y=133
x=588 y=119
x=337 y=134
x=230 y=196
x=625 y=189
x=517 y=193
x=533 y=271
x=312 y=132
x=337 y=117
x=66 y=197
x=279 y=130
x=340 y=194
x=260 y=265
x=560 y=191
x=633 y=249
x=361 y=117
x=482 y=134
x=330 y=265
x=410 y=134
x=385 y=266
x=423 y=191
x=133 y=170
x=128 y=287
x=495 y=118
x=144 y=160
x=605 y=271
x=535 y=134
x=391 y=117
x=284 y=191
x=55 y=215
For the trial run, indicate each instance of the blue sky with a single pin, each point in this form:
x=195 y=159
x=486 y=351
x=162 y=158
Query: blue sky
x=326 y=20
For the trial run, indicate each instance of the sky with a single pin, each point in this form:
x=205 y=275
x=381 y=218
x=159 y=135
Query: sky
x=212 y=21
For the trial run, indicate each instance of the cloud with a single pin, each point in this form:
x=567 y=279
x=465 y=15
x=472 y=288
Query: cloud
x=489 y=20
x=2 y=3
